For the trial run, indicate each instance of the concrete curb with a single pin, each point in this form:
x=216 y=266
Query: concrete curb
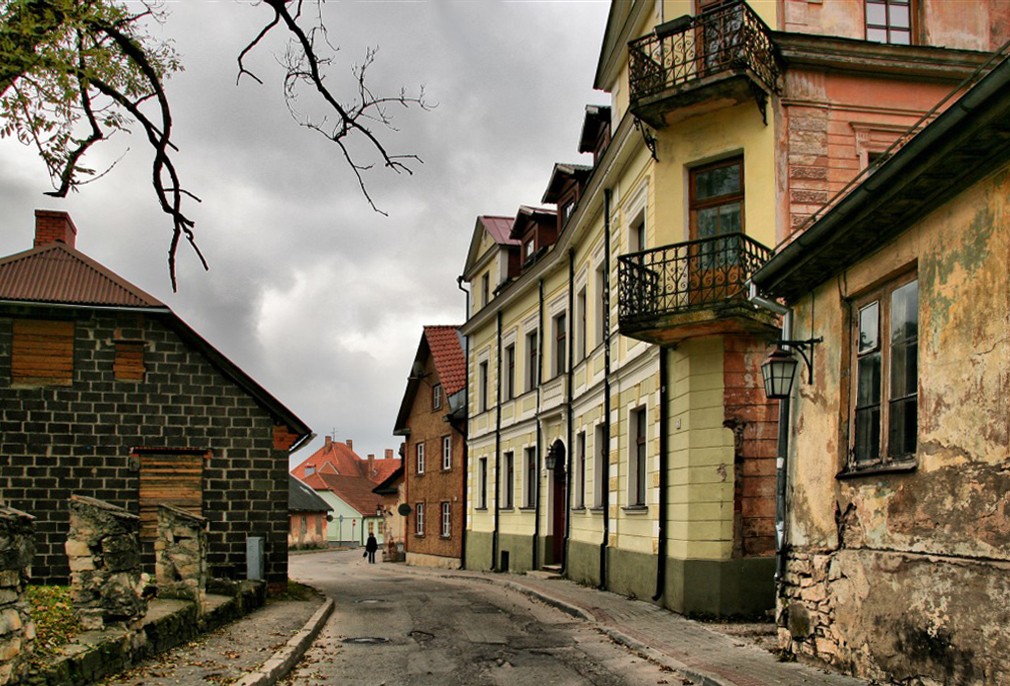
x=284 y=660
x=617 y=636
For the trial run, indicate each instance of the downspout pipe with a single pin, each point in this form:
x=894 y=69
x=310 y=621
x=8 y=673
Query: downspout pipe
x=568 y=411
x=663 y=475
x=782 y=459
x=497 y=454
x=536 y=453
x=604 y=544
x=466 y=423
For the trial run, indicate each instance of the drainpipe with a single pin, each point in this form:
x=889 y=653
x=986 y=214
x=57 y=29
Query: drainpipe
x=466 y=423
x=536 y=453
x=663 y=477
x=568 y=411
x=781 y=462
x=604 y=544
x=497 y=453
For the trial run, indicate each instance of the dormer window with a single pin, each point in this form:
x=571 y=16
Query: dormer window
x=528 y=249
x=566 y=211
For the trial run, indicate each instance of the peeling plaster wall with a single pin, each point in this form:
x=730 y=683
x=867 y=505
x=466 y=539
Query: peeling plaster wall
x=905 y=575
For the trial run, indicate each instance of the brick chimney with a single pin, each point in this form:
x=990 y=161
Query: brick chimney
x=371 y=464
x=329 y=441
x=389 y=453
x=52 y=226
x=350 y=444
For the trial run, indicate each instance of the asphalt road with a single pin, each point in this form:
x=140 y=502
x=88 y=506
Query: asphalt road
x=390 y=627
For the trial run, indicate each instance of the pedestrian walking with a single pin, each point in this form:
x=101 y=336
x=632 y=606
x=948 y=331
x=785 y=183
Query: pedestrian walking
x=371 y=545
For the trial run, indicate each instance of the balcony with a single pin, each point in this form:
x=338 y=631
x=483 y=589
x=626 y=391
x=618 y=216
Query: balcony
x=695 y=64
x=696 y=288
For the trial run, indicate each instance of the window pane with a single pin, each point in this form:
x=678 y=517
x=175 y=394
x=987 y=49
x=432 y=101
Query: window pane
x=900 y=17
x=900 y=37
x=867 y=444
x=876 y=14
x=868 y=384
x=708 y=222
x=718 y=181
x=869 y=327
x=876 y=35
x=902 y=430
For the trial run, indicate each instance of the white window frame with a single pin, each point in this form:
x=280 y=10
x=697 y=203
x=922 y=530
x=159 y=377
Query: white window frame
x=446 y=453
x=419 y=519
x=419 y=457
x=446 y=519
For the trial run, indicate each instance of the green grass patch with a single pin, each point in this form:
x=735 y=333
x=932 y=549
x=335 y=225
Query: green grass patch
x=55 y=625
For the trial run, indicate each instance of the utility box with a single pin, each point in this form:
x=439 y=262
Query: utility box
x=254 y=557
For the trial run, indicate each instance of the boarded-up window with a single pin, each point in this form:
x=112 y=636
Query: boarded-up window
x=170 y=478
x=42 y=352
x=129 y=364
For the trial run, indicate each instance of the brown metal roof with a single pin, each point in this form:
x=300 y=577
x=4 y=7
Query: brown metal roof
x=56 y=273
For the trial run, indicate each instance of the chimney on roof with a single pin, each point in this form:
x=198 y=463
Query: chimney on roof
x=389 y=453
x=52 y=226
x=371 y=464
x=329 y=441
x=350 y=444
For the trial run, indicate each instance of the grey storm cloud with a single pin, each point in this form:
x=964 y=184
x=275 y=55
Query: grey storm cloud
x=315 y=295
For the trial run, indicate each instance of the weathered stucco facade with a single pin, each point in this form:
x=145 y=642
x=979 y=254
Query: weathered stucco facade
x=898 y=567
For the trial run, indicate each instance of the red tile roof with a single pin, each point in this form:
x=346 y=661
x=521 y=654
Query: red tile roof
x=353 y=490
x=447 y=353
x=56 y=273
x=336 y=458
x=499 y=228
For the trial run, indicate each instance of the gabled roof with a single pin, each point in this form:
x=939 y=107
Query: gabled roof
x=498 y=228
x=390 y=485
x=447 y=352
x=561 y=175
x=301 y=497
x=528 y=214
x=597 y=117
x=444 y=345
x=336 y=458
x=356 y=491
x=58 y=274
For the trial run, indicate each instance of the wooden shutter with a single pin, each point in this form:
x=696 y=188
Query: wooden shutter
x=172 y=478
x=42 y=352
x=129 y=364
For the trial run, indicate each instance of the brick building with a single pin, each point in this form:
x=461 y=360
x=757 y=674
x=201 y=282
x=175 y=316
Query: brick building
x=105 y=392
x=432 y=420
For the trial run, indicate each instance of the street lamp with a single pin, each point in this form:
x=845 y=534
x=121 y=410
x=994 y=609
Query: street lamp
x=779 y=367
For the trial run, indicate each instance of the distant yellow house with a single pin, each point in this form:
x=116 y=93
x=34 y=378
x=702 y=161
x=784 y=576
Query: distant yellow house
x=617 y=425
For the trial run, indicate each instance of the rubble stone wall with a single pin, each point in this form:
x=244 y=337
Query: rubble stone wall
x=181 y=556
x=16 y=628
x=106 y=580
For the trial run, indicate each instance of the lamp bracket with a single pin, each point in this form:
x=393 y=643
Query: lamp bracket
x=802 y=346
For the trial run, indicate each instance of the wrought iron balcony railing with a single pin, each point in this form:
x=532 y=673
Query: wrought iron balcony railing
x=730 y=38
x=680 y=278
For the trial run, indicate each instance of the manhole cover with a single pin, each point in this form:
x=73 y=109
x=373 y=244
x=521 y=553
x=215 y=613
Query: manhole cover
x=370 y=601
x=366 y=640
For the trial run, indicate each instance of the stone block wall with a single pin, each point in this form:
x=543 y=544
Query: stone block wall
x=79 y=438
x=16 y=628
x=181 y=556
x=103 y=548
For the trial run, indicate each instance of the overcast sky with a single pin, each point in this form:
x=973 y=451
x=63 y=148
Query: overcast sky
x=317 y=297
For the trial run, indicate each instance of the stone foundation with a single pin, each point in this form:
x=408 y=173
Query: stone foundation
x=16 y=628
x=181 y=556
x=103 y=549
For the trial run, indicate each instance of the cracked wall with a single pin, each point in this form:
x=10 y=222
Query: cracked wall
x=904 y=576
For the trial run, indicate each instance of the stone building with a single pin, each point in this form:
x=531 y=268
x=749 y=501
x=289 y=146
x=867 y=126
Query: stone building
x=309 y=515
x=105 y=392
x=898 y=499
x=432 y=421
x=616 y=424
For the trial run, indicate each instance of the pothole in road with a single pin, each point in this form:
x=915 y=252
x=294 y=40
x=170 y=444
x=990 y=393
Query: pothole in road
x=366 y=640
x=421 y=636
